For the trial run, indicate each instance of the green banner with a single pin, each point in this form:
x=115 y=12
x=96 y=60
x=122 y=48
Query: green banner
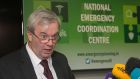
x=95 y=34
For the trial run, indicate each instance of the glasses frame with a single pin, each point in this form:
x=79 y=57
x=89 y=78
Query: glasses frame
x=47 y=38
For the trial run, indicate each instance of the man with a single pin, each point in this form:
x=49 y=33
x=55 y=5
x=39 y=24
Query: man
x=26 y=63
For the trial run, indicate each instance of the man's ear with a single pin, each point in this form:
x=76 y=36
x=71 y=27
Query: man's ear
x=29 y=35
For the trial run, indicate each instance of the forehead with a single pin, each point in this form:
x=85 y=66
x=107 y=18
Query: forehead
x=51 y=28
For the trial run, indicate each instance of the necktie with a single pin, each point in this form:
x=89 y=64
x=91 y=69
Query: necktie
x=47 y=71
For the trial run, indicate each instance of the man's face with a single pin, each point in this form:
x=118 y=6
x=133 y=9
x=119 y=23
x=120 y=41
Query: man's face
x=44 y=39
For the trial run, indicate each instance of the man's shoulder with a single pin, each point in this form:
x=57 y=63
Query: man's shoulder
x=58 y=56
x=12 y=56
x=9 y=57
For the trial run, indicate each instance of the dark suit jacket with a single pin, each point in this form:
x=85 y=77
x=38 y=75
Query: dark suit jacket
x=17 y=65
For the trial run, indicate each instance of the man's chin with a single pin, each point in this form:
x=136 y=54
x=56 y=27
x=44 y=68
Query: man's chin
x=47 y=55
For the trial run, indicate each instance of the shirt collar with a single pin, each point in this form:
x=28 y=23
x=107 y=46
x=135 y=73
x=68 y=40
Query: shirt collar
x=35 y=60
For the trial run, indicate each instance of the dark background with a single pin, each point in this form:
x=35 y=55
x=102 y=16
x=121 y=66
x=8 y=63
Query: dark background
x=11 y=18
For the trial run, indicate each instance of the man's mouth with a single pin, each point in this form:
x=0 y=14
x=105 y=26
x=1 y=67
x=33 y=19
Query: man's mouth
x=48 y=50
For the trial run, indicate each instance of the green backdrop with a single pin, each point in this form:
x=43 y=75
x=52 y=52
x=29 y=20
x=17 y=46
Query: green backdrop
x=95 y=34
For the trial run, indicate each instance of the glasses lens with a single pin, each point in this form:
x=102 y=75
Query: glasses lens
x=47 y=38
x=43 y=37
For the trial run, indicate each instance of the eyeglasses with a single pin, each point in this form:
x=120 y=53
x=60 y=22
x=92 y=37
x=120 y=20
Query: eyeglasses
x=43 y=37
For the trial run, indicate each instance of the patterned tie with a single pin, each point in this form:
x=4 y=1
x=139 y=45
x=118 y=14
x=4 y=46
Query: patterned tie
x=47 y=71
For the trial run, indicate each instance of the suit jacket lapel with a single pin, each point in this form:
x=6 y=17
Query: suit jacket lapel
x=26 y=65
x=57 y=67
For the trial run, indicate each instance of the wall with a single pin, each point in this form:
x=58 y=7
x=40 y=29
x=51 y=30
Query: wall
x=11 y=37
